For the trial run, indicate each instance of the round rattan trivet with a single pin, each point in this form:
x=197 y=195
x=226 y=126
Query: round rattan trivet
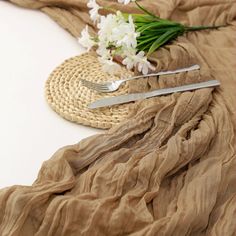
x=66 y=95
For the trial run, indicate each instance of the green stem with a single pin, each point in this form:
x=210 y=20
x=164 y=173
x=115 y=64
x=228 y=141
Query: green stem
x=194 y=28
x=109 y=9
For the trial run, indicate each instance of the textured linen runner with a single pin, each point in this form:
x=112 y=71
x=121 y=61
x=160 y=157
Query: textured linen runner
x=170 y=169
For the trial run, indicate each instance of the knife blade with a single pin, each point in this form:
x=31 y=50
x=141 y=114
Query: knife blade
x=110 y=101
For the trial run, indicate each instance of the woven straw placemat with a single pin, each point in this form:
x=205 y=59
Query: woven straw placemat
x=66 y=95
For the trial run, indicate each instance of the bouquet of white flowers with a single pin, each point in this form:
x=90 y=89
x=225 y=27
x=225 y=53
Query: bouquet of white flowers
x=131 y=37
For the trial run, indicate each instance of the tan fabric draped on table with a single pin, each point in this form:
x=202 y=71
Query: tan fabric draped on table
x=170 y=169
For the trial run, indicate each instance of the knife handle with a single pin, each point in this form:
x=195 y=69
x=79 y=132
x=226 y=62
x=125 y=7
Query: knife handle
x=188 y=87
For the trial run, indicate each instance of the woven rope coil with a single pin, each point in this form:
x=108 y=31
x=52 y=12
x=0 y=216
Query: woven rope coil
x=66 y=95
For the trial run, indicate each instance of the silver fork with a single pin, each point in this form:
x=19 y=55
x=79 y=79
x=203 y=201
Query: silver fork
x=112 y=86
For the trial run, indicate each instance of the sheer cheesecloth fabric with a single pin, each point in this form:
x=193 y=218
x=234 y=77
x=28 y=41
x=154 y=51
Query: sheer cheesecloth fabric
x=170 y=169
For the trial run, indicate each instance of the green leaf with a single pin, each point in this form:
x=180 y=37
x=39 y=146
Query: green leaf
x=143 y=18
x=141 y=42
x=145 y=10
x=166 y=37
x=154 y=26
x=145 y=47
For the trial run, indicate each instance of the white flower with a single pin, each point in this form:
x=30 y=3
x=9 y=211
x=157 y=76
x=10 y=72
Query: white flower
x=109 y=66
x=130 y=59
x=85 y=39
x=94 y=15
x=106 y=26
x=143 y=64
x=125 y=35
x=114 y=31
x=125 y=1
x=138 y=60
x=117 y=37
x=103 y=51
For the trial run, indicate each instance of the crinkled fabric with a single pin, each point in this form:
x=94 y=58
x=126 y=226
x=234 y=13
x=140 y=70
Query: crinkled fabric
x=170 y=169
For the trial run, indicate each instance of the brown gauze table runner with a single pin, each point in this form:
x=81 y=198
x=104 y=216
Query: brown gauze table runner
x=170 y=169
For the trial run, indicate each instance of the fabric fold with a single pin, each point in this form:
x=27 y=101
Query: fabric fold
x=169 y=169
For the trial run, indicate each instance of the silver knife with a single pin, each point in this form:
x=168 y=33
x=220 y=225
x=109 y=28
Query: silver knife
x=139 y=96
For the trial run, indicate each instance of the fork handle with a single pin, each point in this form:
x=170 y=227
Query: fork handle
x=191 y=68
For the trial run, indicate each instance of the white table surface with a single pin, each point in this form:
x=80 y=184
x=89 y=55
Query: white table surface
x=31 y=46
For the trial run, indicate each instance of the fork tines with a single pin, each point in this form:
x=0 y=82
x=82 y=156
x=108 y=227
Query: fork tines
x=95 y=86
